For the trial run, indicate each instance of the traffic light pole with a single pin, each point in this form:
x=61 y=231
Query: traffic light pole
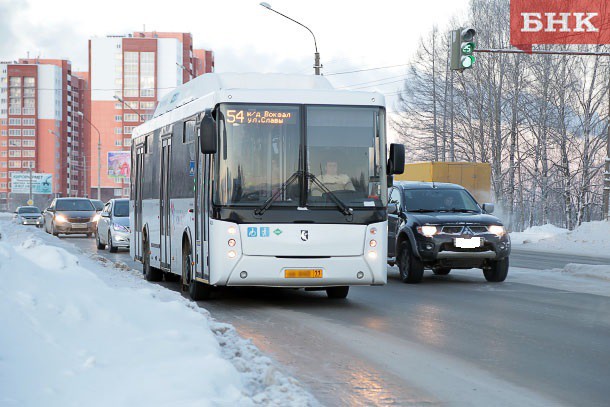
x=606 y=190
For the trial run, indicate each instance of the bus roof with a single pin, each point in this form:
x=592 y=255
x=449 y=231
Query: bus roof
x=207 y=90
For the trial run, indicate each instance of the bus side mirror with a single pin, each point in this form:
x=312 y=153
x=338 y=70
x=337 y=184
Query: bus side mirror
x=390 y=181
x=207 y=133
x=396 y=161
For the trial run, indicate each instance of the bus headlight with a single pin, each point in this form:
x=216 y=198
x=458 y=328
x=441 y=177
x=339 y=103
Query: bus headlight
x=427 y=230
x=232 y=230
x=231 y=242
x=372 y=254
x=231 y=254
x=373 y=243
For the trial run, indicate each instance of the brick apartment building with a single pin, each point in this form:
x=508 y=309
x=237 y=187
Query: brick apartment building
x=40 y=101
x=128 y=75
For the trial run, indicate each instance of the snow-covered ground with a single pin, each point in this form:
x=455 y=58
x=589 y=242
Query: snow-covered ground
x=79 y=330
x=590 y=238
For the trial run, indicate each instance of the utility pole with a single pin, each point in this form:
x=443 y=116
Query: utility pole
x=30 y=201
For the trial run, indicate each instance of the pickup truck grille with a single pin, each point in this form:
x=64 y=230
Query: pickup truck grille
x=461 y=229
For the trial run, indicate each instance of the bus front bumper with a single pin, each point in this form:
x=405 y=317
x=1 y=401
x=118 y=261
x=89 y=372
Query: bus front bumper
x=307 y=272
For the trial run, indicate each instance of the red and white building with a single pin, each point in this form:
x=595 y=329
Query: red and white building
x=128 y=75
x=40 y=101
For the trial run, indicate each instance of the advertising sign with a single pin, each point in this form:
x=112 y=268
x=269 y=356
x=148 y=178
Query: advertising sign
x=559 y=22
x=119 y=164
x=41 y=183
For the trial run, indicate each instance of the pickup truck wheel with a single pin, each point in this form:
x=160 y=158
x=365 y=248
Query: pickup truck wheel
x=442 y=271
x=411 y=268
x=497 y=271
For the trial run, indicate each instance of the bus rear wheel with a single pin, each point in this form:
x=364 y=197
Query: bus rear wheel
x=337 y=292
x=150 y=273
x=197 y=291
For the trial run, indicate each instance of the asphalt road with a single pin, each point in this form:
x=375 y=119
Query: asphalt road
x=449 y=341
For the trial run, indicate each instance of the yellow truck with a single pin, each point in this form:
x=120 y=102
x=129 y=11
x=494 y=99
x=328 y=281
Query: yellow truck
x=475 y=177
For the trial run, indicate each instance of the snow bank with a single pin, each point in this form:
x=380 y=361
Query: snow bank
x=590 y=238
x=77 y=332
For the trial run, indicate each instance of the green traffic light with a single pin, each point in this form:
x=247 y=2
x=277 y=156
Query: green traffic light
x=467 y=48
x=468 y=61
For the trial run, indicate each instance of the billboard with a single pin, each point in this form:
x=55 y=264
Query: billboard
x=559 y=22
x=119 y=164
x=41 y=183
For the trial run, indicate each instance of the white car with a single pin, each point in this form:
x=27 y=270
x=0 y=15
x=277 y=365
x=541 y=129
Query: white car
x=28 y=215
x=113 y=229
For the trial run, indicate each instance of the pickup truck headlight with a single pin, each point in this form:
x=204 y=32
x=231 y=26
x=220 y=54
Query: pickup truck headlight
x=427 y=230
x=497 y=230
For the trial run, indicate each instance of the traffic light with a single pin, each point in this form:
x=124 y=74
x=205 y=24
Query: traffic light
x=462 y=48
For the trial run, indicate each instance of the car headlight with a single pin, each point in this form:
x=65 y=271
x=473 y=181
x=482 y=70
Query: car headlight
x=60 y=218
x=427 y=230
x=119 y=228
x=497 y=230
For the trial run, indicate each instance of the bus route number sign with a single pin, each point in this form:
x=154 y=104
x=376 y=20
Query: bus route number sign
x=270 y=117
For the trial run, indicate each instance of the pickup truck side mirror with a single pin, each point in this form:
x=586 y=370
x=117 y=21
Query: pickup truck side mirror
x=105 y=215
x=488 y=207
x=392 y=209
x=49 y=209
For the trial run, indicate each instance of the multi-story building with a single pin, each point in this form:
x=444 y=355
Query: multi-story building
x=40 y=101
x=128 y=75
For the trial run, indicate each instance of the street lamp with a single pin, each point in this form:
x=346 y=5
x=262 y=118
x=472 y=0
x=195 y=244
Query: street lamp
x=99 y=155
x=129 y=107
x=316 y=65
x=191 y=76
x=56 y=161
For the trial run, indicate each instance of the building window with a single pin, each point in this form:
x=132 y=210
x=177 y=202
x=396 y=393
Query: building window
x=2 y=153
x=127 y=142
x=145 y=117
x=118 y=118
x=14 y=121
x=29 y=132
x=147 y=105
x=30 y=111
x=14 y=132
x=147 y=74
x=29 y=122
x=3 y=144
x=118 y=130
x=14 y=143
x=14 y=153
x=126 y=191
x=29 y=164
x=2 y=174
x=3 y=133
x=29 y=143
x=14 y=164
x=29 y=153
x=3 y=185
x=132 y=104
x=117 y=143
x=29 y=82
x=130 y=117
x=118 y=106
x=130 y=74
x=118 y=192
x=128 y=129
x=15 y=81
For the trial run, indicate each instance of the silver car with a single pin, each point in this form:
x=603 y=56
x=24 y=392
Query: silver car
x=28 y=215
x=113 y=226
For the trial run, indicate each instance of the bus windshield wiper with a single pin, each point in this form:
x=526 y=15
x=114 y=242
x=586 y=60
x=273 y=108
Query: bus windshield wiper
x=259 y=211
x=340 y=204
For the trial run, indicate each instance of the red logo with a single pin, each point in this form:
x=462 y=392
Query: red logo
x=559 y=22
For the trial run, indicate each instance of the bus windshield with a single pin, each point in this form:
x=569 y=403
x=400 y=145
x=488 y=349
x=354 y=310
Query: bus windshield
x=263 y=146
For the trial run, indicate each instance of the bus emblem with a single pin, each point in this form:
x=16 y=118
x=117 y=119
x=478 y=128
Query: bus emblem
x=277 y=232
x=304 y=235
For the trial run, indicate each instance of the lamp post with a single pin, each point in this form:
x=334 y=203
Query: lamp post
x=316 y=65
x=129 y=107
x=55 y=161
x=99 y=155
x=191 y=76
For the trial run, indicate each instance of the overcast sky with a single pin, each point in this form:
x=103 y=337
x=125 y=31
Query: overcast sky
x=244 y=36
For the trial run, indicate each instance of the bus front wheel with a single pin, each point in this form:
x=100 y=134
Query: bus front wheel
x=337 y=292
x=197 y=291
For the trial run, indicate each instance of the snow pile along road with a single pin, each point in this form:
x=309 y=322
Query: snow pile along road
x=77 y=332
x=590 y=238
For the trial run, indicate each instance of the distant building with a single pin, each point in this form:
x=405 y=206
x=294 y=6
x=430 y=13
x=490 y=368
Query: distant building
x=40 y=127
x=128 y=75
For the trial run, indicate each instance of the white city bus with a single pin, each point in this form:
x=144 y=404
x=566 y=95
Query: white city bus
x=263 y=180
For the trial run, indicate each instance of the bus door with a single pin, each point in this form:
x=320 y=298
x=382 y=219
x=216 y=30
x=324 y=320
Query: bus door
x=164 y=204
x=202 y=216
x=137 y=195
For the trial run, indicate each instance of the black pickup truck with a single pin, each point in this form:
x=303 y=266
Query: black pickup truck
x=440 y=226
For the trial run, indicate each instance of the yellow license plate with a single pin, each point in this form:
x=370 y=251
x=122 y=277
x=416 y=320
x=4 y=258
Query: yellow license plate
x=303 y=273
